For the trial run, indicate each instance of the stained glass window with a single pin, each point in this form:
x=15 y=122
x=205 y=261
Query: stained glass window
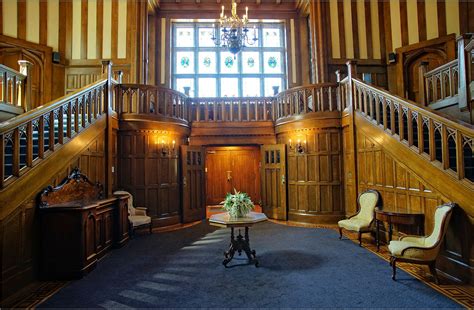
x=207 y=62
x=185 y=37
x=211 y=71
x=271 y=37
x=185 y=62
x=272 y=62
x=250 y=62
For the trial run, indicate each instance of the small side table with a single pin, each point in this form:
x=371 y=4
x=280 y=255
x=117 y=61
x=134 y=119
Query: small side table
x=392 y=217
x=239 y=243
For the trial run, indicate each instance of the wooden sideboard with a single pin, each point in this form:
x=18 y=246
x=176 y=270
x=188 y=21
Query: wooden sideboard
x=78 y=228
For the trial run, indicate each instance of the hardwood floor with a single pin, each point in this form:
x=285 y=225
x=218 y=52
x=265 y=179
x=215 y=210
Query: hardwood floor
x=463 y=294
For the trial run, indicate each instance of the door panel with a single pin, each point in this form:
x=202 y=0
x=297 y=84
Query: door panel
x=192 y=167
x=273 y=159
x=232 y=167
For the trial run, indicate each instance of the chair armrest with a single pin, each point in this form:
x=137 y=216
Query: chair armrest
x=141 y=211
x=410 y=237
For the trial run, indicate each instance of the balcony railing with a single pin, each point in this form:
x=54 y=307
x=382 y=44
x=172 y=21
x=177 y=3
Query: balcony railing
x=12 y=87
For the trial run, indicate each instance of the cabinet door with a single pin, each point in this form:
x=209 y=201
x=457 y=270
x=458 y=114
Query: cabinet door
x=90 y=235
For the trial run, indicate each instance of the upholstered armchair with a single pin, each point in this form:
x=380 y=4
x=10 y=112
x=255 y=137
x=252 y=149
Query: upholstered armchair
x=422 y=249
x=137 y=217
x=361 y=222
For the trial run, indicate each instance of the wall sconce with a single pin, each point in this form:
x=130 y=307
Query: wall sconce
x=167 y=149
x=299 y=147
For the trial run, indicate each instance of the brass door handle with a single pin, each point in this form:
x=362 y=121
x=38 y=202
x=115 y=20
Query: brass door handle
x=229 y=176
x=283 y=179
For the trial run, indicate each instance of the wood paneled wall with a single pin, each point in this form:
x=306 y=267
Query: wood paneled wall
x=151 y=177
x=404 y=191
x=371 y=29
x=79 y=29
x=19 y=231
x=315 y=191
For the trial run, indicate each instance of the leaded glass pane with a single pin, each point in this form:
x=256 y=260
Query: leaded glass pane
x=229 y=87
x=207 y=87
x=207 y=62
x=205 y=35
x=250 y=62
x=270 y=83
x=251 y=87
x=271 y=37
x=272 y=62
x=228 y=63
x=182 y=83
x=184 y=37
x=185 y=62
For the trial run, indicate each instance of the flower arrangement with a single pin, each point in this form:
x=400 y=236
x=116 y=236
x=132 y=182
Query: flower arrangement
x=238 y=204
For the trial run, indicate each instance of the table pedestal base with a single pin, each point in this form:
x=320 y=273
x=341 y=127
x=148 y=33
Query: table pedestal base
x=238 y=245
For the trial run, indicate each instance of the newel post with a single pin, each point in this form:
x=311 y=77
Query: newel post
x=25 y=69
x=463 y=74
x=339 y=90
x=422 y=86
x=351 y=74
x=351 y=97
x=109 y=137
x=119 y=76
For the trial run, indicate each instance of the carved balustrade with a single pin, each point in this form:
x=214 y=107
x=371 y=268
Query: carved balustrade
x=442 y=82
x=32 y=136
x=306 y=99
x=444 y=142
x=12 y=87
x=151 y=100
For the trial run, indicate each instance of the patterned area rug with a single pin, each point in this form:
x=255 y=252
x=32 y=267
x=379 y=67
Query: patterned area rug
x=300 y=267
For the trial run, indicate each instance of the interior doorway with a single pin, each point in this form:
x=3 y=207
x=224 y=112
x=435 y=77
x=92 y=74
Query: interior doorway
x=232 y=167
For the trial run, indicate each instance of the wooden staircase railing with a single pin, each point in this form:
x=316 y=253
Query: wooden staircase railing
x=306 y=99
x=32 y=136
x=450 y=83
x=445 y=143
x=151 y=100
x=13 y=86
x=246 y=109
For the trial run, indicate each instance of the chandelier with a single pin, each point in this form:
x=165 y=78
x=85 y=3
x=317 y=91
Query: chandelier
x=234 y=31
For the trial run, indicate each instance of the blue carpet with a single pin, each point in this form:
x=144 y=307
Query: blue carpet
x=299 y=267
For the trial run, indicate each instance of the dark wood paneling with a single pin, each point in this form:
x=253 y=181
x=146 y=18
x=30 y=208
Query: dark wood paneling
x=43 y=31
x=315 y=177
x=84 y=32
x=355 y=32
x=368 y=23
x=404 y=21
x=21 y=20
x=342 y=32
x=114 y=28
x=100 y=28
x=151 y=177
x=442 y=18
x=421 y=19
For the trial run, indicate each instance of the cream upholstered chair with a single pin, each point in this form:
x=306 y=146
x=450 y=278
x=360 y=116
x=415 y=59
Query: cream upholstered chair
x=422 y=249
x=361 y=221
x=137 y=217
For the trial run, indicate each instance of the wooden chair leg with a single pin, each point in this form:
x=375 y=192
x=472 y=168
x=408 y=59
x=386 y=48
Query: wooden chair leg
x=360 y=238
x=394 y=267
x=432 y=266
x=340 y=233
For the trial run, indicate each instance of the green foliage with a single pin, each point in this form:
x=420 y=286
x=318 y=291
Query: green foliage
x=238 y=204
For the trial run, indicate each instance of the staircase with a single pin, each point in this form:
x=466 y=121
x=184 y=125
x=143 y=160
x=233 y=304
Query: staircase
x=31 y=137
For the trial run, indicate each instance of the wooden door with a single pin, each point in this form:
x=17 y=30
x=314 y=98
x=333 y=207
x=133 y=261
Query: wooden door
x=192 y=184
x=273 y=161
x=232 y=167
